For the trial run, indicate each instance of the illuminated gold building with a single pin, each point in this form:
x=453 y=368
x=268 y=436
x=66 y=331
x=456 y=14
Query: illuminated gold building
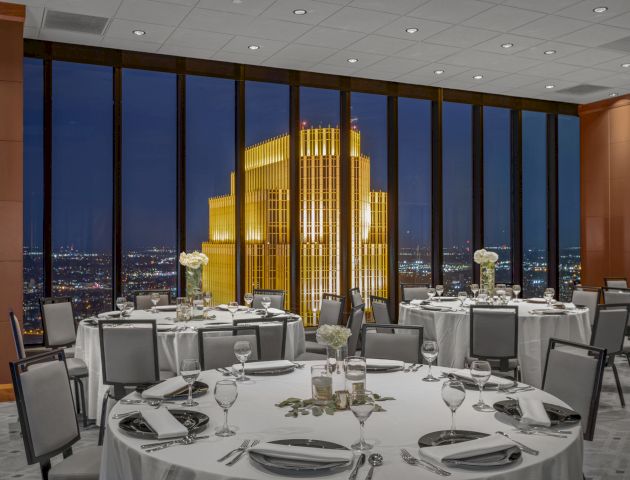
x=267 y=222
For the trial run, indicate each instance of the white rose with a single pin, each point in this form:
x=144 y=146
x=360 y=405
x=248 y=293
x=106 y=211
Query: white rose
x=493 y=257
x=479 y=255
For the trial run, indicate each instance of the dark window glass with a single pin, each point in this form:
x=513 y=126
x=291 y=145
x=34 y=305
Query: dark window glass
x=497 y=189
x=414 y=190
x=33 y=197
x=82 y=186
x=210 y=181
x=457 y=196
x=534 y=203
x=569 y=203
x=149 y=172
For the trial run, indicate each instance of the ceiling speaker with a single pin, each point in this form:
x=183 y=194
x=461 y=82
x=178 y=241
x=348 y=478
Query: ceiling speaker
x=74 y=22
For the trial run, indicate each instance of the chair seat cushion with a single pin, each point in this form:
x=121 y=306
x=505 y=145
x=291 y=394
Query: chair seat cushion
x=166 y=374
x=85 y=464
x=76 y=367
x=315 y=347
x=494 y=363
x=311 y=356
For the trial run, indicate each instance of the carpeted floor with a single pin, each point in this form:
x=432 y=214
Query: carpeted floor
x=606 y=458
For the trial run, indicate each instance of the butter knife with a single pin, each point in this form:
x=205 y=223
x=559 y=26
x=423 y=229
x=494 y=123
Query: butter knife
x=358 y=465
x=524 y=447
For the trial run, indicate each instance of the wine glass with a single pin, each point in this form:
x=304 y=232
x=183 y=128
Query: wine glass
x=501 y=295
x=155 y=299
x=430 y=353
x=480 y=371
x=439 y=289
x=474 y=288
x=129 y=307
x=453 y=394
x=225 y=393
x=462 y=297
x=249 y=298
x=120 y=303
x=266 y=303
x=232 y=308
x=242 y=350
x=482 y=296
x=517 y=290
x=207 y=299
x=549 y=294
x=430 y=293
x=362 y=405
x=190 y=370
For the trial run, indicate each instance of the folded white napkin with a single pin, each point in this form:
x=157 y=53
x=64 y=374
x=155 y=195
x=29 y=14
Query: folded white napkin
x=460 y=451
x=163 y=423
x=416 y=302
x=436 y=308
x=500 y=381
x=311 y=454
x=166 y=308
x=262 y=366
x=275 y=311
x=533 y=411
x=164 y=327
x=165 y=388
x=383 y=363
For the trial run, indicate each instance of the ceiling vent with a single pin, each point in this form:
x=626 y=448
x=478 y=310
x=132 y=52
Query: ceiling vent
x=584 y=89
x=623 y=45
x=74 y=22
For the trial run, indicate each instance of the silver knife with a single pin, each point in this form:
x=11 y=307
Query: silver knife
x=355 y=470
x=174 y=440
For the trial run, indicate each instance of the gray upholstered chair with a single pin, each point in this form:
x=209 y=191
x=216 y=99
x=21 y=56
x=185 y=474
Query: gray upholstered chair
x=273 y=336
x=405 y=344
x=49 y=424
x=142 y=300
x=414 y=291
x=616 y=282
x=330 y=313
x=380 y=313
x=608 y=334
x=18 y=339
x=216 y=345
x=355 y=297
x=276 y=297
x=573 y=373
x=587 y=297
x=616 y=295
x=355 y=322
x=494 y=337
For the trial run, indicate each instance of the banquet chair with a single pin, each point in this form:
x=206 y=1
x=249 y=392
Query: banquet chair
x=587 y=297
x=18 y=340
x=608 y=333
x=380 y=313
x=217 y=350
x=60 y=331
x=616 y=295
x=276 y=296
x=142 y=299
x=414 y=291
x=47 y=419
x=355 y=322
x=406 y=348
x=574 y=373
x=355 y=297
x=273 y=336
x=330 y=313
x=616 y=282
x=494 y=337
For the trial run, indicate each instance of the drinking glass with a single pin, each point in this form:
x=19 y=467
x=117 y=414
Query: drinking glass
x=181 y=308
x=249 y=298
x=439 y=289
x=266 y=303
x=462 y=296
x=190 y=370
x=482 y=296
x=321 y=384
x=120 y=303
x=453 y=394
x=155 y=299
x=430 y=293
x=517 y=290
x=474 y=288
x=430 y=353
x=549 y=294
x=480 y=371
x=232 y=308
x=225 y=393
x=129 y=307
x=362 y=405
x=501 y=295
x=356 y=369
x=207 y=299
x=242 y=350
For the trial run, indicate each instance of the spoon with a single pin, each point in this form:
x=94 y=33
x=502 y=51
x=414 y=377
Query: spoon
x=376 y=460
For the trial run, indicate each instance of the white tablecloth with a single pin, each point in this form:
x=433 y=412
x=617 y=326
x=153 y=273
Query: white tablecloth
x=452 y=332
x=417 y=410
x=172 y=348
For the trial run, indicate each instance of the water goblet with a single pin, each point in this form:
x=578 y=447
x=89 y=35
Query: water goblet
x=439 y=289
x=431 y=293
x=242 y=350
x=517 y=290
x=430 y=353
x=480 y=371
x=207 y=299
x=155 y=299
x=453 y=394
x=362 y=405
x=129 y=307
x=549 y=294
x=232 y=308
x=462 y=297
x=482 y=296
x=501 y=295
x=249 y=298
x=120 y=303
x=355 y=368
x=190 y=370
x=266 y=303
x=225 y=393
x=474 y=288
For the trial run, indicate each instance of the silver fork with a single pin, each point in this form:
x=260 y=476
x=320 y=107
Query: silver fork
x=411 y=460
x=241 y=453
x=242 y=447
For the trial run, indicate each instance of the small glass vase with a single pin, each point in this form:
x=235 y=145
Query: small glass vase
x=335 y=364
x=193 y=283
x=487 y=277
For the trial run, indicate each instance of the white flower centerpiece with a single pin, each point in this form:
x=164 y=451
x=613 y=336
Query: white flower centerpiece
x=335 y=337
x=193 y=263
x=487 y=262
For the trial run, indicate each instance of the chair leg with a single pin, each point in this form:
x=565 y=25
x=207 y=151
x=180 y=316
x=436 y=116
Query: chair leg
x=628 y=358
x=619 y=389
x=83 y=405
x=101 y=430
x=76 y=395
x=45 y=468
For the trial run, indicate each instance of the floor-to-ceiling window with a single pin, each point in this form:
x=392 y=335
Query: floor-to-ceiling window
x=414 y=190
x=82 y=186
x=457 y=196
x=149 y=181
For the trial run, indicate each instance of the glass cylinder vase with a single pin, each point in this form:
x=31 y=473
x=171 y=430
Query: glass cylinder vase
x=335 y=363
x=193 y=283
x=487 y=277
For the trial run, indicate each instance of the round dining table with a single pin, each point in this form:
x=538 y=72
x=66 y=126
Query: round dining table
x=417 y=409
x=176 y=341
x=448 y=323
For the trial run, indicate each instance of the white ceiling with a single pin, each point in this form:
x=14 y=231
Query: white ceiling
x=461 y=37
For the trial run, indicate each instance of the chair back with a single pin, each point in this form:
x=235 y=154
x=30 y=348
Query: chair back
x=405 y=345
x=494 y=333
x=616 y=295
x=587 y=297
x=575 y=377
x=273 y=336
x=276 y=296
x=354 y=324
x=331 y=309
x=380 y=313
x=129 y=354
x=616 y=282
x=216 y=345
x=58 y=321
x=414 y=291
x=18 y=340
x=355 y=297
x=609 y=328
x=45 y=406
x=142 y=300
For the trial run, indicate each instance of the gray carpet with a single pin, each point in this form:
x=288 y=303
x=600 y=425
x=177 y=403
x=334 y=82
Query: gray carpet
x=606 y=458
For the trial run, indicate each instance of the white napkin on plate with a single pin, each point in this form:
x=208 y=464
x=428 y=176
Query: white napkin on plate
x=165 y=388
x=166 y=308
x=262 y=366
x=416 y=302
x=382 y=363
x=500 y=381
x=275 y=311
x=460 y=451
x=310 y=454
x=437 y=308
x=533 y=411
x=163 y=423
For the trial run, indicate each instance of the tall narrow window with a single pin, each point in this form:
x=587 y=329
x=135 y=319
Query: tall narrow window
x=457 y=196
x=210 y=196
x=569 y=203
x=82 y=186
x=414 y=190
x=149 y=172
x=534 y=203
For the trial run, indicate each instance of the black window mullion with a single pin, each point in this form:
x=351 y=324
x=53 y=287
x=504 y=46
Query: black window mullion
x=294 y=194
x=47 y=207
x=239 y=188
x=117 y=188
x=516 y=127
x=392 y=203
x=345 y=194
x=181 y=178
x=553 y=256
x=436 y=191
x=478 y=199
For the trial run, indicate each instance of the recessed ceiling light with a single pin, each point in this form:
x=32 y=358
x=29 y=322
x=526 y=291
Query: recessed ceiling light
x=353 y=60
x=507 y=45
x=625 y=65
x=411 y=30
x=550 y=86
x=600 y=9
x=254 y=47
x=549 y=52
x=299 y=12
x=139 y=32
x=614 y=94
x=438 y=72
x=478 y=77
